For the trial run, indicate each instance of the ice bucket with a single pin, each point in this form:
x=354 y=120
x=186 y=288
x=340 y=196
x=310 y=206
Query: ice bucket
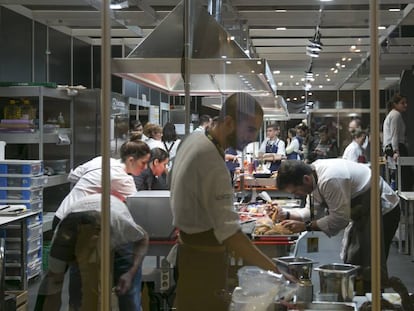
x=299 y=267
x=337 y=279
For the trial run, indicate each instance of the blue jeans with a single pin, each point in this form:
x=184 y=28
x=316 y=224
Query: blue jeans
x=123 y=259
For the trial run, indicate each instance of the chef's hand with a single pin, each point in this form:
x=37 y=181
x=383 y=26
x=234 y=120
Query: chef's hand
x=295 y=226
x=124 y=284
x=280 y=212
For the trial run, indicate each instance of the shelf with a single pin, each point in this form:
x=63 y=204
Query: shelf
x=33 y=138
x=56 y=180
x=33 y=91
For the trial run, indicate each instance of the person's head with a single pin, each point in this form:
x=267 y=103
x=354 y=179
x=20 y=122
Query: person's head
x=399 y=103
x=295 y=177
x=272 y=131
x=135 y=155
x=239 y=121
x=168 y=132
x=205 y=121
x=158 y=161
x=301 y=129
x=354 y=124
x=359 y=136
x=136 y=130
x=291 y=132
x=153 y=131
x=323 y=133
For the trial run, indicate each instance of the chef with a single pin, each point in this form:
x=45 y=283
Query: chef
x=342 y=188
x=202 y=206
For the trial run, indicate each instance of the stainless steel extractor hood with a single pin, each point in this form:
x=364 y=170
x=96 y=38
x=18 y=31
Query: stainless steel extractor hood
x=217 y=63
x=274 y=107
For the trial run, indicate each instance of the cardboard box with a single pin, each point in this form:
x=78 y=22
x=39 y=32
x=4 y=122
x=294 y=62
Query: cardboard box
x=16 y=301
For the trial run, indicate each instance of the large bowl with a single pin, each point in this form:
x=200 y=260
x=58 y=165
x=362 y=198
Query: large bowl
x=299 y=267
x=338 y=279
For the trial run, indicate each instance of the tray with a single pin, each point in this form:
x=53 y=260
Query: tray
x=276 y=237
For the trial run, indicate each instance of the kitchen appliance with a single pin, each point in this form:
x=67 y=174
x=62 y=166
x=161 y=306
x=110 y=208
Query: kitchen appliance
x=151 y=210
x=301 y=269
x=338 y=279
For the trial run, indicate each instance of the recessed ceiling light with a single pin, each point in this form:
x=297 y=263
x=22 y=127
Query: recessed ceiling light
x=317 y=75
x=276 y=72
x=343 y=66
x=321 y=86
x=328 y=79
x=349 y=59
x=281 y=28
x=353 y=47
x=310 y=94
x=332 y=69
x=337 y=64
x=357 y=51
x=280 y=11
x=303 y=97
x=336 y=71
x=343 y=59
x=280 y=83
x=392 y=78
x=291 y=76
x=394 y=10
x=295 y=98
x=232 y=38
x=382 y=27
x=297 y=83
x=288 y=99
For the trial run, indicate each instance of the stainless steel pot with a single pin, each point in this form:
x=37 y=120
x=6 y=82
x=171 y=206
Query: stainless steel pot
x=338 y=279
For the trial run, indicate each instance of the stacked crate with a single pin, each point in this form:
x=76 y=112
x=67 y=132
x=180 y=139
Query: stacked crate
x=21 y=183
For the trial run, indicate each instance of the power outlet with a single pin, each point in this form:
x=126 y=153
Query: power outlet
x=165 y=280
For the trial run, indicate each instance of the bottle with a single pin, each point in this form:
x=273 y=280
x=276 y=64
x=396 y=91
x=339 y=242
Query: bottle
x=28 y=112
x=61 y=120
x=12 y=110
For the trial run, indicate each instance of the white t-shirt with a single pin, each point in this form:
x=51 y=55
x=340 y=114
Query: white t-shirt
x=154 y=143
x=123 y=227
x=353 y=151
x=201 y=190
x=88 y=181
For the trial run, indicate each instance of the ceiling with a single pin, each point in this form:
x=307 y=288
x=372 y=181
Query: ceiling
x=277 y=31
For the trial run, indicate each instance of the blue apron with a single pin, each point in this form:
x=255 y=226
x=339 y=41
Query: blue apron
x=272 y=148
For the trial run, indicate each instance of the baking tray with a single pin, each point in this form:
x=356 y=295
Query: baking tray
x=276 y=237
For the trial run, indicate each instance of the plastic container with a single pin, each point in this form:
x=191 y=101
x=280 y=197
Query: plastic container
x=22 y=181
x=338 y=279
x=34 y=268
x=58 y=167
x=61 y=120
x=15 y=193
x=256 y=281
x=12 y=110
x=28 y=112
x=33 y=205
x=22 y=167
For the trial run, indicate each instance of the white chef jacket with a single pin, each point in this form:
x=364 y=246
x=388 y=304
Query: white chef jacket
x=339 y=181
x=201 y=190
x=393 y=129
x=88 y=181
x=353 y=151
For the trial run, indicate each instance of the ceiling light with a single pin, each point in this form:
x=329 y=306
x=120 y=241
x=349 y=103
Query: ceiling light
x=349 y=59
x=343 y=66
x=321 y=86
x=119 y=5
x=280 y=83
x=276 y=72
x=297 y=83
x=291 y=76
x=337 y=64
x=343 y=59
x=307 y=86
x=336 y=71
x=281 y=28
x=382 y=27
x=357 y=51
x=328 y=79
x=353 y=47
x=394 y=10
x=310 y=94
x=280 y=11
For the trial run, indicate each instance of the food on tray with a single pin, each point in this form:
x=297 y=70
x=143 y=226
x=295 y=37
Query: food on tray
x=276 y=229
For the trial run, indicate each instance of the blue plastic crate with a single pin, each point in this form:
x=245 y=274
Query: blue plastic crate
x=21 y=194
x=23 y=181
x=33 y=205
x=22 y=167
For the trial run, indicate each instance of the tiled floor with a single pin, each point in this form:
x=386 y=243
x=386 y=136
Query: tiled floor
x=399 y=265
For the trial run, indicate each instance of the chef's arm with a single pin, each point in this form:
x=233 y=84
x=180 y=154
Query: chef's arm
x=240 y=245
x=273 y=157
x=125 y=281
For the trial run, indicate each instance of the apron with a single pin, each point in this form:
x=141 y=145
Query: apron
x=272 y=148
x=202 y=273
x=357 y=237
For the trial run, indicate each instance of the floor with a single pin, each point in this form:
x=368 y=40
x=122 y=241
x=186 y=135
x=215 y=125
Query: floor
x=399 y=265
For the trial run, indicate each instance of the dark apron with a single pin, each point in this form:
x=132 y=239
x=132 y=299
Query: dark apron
x=202 y=268
x=272 y=148
x=358 y=248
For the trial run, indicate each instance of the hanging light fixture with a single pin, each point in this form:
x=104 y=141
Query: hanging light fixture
x=314 y=46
